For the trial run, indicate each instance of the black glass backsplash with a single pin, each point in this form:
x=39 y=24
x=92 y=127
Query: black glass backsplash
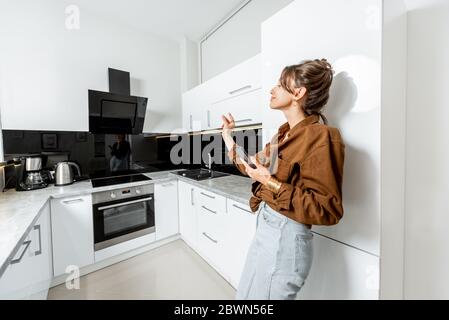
x=92 y=152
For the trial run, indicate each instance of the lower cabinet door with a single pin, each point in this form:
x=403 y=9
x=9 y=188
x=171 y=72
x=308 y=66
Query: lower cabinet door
x=341 y=272
x=166 y=209
x=241 y=230
x=42 y=267
x=187 y=213
x=72 y=233
x=16 y=282
x=29 y=273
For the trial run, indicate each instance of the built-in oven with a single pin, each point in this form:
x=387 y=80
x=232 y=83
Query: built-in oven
x=122 y=214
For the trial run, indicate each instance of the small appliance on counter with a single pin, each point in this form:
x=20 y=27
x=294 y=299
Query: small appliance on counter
x=29 y=173
x=64 y=174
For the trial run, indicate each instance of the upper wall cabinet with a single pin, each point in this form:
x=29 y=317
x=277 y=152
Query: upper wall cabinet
x=236 y=91
x=365 y=41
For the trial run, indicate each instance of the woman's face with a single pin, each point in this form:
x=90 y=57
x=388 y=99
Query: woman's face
x=281 y=98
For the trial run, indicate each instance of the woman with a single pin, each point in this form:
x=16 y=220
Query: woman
x=120 y=153
x=297 y=183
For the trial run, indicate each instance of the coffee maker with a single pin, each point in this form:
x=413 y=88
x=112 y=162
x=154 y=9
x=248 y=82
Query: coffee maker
x=29 y=173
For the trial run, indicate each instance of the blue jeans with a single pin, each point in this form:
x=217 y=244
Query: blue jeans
x=279 y=258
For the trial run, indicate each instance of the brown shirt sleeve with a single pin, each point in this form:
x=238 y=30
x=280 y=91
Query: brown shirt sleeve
x=233 y=156
x=317 y=197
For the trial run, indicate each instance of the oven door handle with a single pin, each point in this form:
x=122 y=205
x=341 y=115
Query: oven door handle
x=124 y=203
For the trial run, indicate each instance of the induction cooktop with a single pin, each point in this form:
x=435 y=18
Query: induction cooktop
x=102 y=182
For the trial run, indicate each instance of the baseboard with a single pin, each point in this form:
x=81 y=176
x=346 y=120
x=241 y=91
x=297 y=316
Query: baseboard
x=113 y=260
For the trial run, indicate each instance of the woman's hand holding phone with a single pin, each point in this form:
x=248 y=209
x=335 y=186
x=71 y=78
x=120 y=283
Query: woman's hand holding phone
x=259 y=173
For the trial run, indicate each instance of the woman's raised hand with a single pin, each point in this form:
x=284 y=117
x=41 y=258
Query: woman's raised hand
x=228 y=124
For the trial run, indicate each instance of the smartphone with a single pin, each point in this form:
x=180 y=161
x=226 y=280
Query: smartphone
x=244 y=156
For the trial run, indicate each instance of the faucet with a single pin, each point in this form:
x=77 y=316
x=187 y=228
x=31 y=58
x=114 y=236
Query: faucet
x=209 y=161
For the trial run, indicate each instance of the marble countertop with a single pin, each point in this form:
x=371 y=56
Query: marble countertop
x=19 y=211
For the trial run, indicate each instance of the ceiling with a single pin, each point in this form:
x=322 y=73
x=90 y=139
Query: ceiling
x=166 y=18
x=176 y=18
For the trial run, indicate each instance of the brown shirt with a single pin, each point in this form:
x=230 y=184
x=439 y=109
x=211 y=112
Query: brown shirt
x=309 y=163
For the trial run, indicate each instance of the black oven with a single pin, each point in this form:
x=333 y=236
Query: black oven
x=122 y=214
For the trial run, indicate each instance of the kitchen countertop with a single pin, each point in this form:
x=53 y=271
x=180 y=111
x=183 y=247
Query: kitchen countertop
x=19 y=211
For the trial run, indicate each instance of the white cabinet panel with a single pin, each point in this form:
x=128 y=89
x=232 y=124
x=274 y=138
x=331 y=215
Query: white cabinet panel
x=30 y=271
x=187 y=213
x=42 y=267
x=341 y=272
x=194 y=106
x=166 y=209
x=240 y=79
x=16 y=282
x=72 y=230
x=354 y=50
x=212 y=228
x=246 y=109
x=241 y=224
x=236 y=91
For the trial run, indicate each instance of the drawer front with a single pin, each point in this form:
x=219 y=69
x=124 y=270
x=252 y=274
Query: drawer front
x=211 y=245
x=210 y=201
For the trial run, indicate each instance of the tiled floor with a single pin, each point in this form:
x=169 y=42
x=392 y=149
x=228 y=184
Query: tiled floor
x=172 y=271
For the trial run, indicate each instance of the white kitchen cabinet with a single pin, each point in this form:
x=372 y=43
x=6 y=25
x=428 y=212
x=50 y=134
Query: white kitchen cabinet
x=166 y=209
x=236 y=90
x=29 y=273
x=42 y=261
x=72 y=231
x=15 y=282
x=246 y=108
x=241 y=225
x=194 y=106
x=242 y=78
x=187 y=213
x=341 y=272
x=212 y=228
x=367 y=103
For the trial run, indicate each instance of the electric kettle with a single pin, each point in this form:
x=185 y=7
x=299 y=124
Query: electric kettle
x=64 y=174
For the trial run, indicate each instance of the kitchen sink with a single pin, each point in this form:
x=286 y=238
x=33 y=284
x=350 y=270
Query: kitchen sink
x=201 y=174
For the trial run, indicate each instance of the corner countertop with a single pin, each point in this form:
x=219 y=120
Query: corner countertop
x=19 y=211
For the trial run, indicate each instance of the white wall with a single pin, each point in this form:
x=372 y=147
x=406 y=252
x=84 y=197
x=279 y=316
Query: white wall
x=427 y=164
x=46 y=69
x=238 y=39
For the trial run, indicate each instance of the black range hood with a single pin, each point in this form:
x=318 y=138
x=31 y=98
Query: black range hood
x=116 y=111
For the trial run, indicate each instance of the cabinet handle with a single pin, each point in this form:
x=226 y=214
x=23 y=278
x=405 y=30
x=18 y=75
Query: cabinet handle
x=167 y=184
x=124 y=203
x=207 y=195
x=72 y=201
x=191 y=196
x=208 y=237
x=191 y=125
x=243 y=120
x=38 y=252
x=240 y=89
x=208 y=118
x=234 y=205
x=27 y=244
x=214 y=212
